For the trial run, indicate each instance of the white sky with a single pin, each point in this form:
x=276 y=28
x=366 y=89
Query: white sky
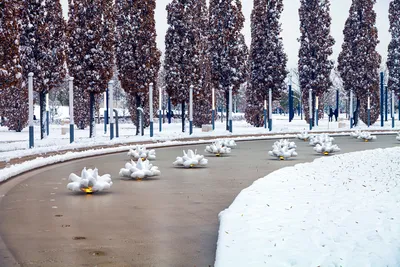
x=290 y=25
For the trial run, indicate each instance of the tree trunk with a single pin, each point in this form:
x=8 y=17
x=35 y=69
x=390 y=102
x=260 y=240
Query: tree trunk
x=92 y=123
x=227 y=109
x=357 y=112
x=137 y=114
x=42 y=104
x=183 y=116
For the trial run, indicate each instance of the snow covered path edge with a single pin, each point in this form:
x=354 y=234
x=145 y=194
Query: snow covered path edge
x=336 y=211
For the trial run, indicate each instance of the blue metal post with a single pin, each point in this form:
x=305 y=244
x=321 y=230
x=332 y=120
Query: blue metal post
x=30 y=99
x=169 y=110
x=191 y=110
x=213 y=119
x=382 y=97
x=270 y=110
x=310 y=108
x=386 y=103
x=160 y=120
x=151 y=110
x=265 y=118
x=71 y=133
x=230 y=110
x=369 y=117
x=47 y=122
x=111 y=91
x=71 y=110
x=316 y=111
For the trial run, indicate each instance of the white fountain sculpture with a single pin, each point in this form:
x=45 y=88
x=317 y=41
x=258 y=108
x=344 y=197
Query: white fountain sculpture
x=140 y=152
x=303 y=136
x=89 y=182
x=326 y=148
x=320 y=139
x=283 y=149
x=191 y=159
x=218 y=149
x=139 y=170
x=366 y=137
x=355 y=134
x=228 y=143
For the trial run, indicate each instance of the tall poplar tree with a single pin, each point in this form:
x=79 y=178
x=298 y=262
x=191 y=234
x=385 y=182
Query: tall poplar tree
x=226 y=22
x=267 y=58
x=138 y=59
x=13 y=98
x=316 y=45
x=359 y=61
x=393 y=62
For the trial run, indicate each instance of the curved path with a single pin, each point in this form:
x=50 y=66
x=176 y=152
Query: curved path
x=169 y=221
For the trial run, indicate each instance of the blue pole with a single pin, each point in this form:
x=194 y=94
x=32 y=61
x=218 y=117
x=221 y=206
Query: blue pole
x=386 y=103
x=169 y=110
x=213 y=119
x=105 y=121
x=71 y=133
x=230 y=126
x=160 y=120
x=111 y=131
x=190 y=127
x=381 y=108
x=47 y=122
x=369 y=117
x=316 y=117
x=151 y=129
x=265 y=118
x=399 y=109
x=31 y=137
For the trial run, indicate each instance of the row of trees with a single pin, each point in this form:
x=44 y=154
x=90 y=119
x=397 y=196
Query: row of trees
x=204 y=49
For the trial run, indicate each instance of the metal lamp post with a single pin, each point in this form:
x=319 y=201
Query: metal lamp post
x=31 y=129
x=191 y=110
x=160 y=99
x=213 y=109
x=230 y=110
x=151 y=109
x=316 y=111
x=265 y=113
x=47 y=115
x=270 y=109
x=111 y=104
x=71 y=110
x=310 y=108
x=392 y=109
x=105 y=111
x=351 y=109
x=382 y=97
x=369 y=110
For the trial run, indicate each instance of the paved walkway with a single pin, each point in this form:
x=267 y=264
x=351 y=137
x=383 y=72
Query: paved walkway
x=168 y=221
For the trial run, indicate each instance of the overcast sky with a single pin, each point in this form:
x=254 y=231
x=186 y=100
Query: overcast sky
x=290 y=25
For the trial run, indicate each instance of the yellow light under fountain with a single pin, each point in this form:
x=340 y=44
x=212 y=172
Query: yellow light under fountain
x=218 y=155
x=366 y=140
x=87 y=190
x=326 y=153
x=281 y=158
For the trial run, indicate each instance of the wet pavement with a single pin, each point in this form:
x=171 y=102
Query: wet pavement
x=171 y=220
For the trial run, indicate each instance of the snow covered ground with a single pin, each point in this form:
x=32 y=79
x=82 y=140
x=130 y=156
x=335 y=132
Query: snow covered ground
x=335 y=211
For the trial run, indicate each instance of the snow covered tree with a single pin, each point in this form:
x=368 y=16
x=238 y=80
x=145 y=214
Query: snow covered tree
x=13 y=98
x=359 y=61
x=202 y=91
x=315 y=49
x=91 y=58
x=226 y=22
x=43 y=49
x=267 y=58
x=393 y=62
x=138 y=58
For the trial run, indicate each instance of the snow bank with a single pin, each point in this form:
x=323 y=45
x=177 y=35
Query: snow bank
x=335 y=211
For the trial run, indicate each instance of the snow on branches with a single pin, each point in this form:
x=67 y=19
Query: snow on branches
x=393 y=62
x=359 y=61
x=138 y=59
x=366 y=137
x=320 y=139
x=303 y=136
x=139 y=170
x=283 y=149
x=315 y=49
x=89 y=182
x=13 y=97
x=326 y=148
x=267 y=58
x=191 y=159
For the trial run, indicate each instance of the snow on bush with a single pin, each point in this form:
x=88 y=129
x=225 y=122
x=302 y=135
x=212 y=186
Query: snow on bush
x=218 y=149
x=320 y=139
x=283 y=149
x=140 y=152
x=331 y=212
x=366 y=136
x=303 y=136
x=228 y=143
x=190 y=159
x=139 y=170
x=326 y=148
x=89 y=182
